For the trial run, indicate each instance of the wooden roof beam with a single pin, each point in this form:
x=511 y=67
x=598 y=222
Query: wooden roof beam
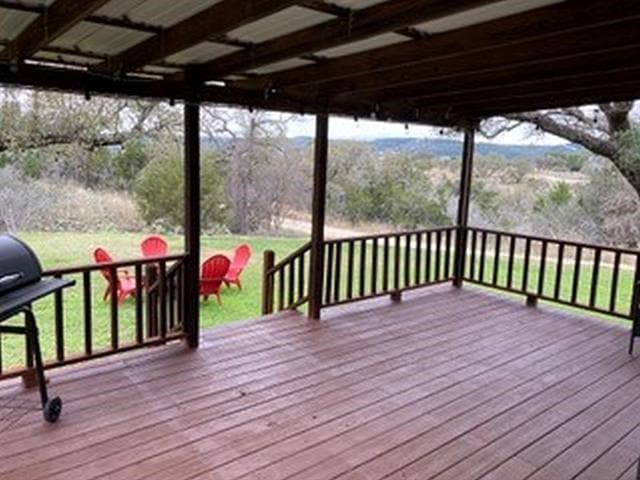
x=568 y=47
x=82 y=82
x=490 y=76
x=403 y=57
x=55 y=20
x=360 y=24
x=604 y=81
x=570 y=97
x=218 y=19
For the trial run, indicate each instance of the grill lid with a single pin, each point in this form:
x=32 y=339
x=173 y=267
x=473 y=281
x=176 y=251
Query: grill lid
x=19 y=266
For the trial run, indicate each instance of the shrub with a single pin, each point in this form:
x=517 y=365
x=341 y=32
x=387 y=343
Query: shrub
x=394 y=190
x=159 y=191
x=28 y=204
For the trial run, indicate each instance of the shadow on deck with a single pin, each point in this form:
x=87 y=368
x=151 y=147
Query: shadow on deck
x=448 y=384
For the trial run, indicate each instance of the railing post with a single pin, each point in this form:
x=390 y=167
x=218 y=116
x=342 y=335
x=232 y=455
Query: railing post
x=466 y=175
x=316 y=272
x=268 y=261
x=635 y=310
x=192 y=222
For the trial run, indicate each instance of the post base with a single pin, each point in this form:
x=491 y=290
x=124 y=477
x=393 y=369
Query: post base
x=396 y=297
x=30 y=379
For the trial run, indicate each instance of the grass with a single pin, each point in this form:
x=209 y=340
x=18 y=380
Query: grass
x=70 y=249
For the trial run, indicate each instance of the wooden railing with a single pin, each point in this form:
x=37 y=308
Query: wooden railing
x=285 y=285
x=591 y=277
x=87 y=321
x=365 y=267
x=359 y=268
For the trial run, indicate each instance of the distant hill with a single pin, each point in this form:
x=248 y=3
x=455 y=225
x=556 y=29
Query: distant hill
x=445 y=147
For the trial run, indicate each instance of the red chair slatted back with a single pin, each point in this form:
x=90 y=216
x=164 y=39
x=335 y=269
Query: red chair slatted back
x=154 y=246
x=100 y=255
x=241 y=258
x=215 y=268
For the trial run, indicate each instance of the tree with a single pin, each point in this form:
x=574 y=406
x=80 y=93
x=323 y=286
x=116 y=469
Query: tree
x=609 y=130
x=35 y=119
x=159 y=189
x=393 y=189
x=265 y=172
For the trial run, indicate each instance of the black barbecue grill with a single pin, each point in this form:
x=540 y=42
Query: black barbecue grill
x=21 y=284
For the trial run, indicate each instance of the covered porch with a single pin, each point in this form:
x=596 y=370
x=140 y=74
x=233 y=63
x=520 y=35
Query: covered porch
x=450 y=383
x=386 y=356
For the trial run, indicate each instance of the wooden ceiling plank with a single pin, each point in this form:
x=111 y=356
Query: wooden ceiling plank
x=569 y=47
x=544 y=86
x=565 y=16
x=360 y=24
x=477 y=79
x=571 y=97
x=218 y=19
x=54 y=21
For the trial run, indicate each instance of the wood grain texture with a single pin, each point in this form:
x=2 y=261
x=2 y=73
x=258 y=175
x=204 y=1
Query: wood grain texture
x=448 y=384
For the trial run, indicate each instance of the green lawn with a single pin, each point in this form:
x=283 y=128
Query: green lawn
x=70 y=249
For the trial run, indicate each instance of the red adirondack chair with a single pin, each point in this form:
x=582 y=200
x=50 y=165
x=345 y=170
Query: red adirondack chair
x=241 y=257
x=154 y=246
x=126 y=284
x=214 y=270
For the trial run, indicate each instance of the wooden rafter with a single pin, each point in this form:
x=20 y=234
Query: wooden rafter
x=532 y=71
x=551 y=85
x=577 y=95
x=532 y=52
x=55 y=20
x=218 y=19
x=381 y=18
x=402 y=59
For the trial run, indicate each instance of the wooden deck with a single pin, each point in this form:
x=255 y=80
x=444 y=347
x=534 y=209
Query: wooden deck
x=448 y=384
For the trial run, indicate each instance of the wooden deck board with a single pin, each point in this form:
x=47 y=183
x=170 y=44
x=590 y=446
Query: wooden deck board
x=449 y=384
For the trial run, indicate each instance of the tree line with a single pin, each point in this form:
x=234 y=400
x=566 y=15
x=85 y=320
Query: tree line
x=69 y=163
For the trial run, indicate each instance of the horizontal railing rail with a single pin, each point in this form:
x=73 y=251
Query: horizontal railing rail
x=92 y=319
x=359 y=268
x=285 y=285
x=591 y=277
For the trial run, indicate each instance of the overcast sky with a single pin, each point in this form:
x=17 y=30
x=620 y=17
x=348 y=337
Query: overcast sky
x=346 y=128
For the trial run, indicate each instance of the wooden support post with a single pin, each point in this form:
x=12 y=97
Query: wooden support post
x=635 y=310
x=466 y=174
x=192 y=221
x=268 y=261
x=316 y=264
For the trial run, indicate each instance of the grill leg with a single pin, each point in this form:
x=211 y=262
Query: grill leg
x=32 y=338
x=50 y=408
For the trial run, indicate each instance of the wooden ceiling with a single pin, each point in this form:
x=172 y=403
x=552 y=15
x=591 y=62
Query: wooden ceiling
x=441 y=62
